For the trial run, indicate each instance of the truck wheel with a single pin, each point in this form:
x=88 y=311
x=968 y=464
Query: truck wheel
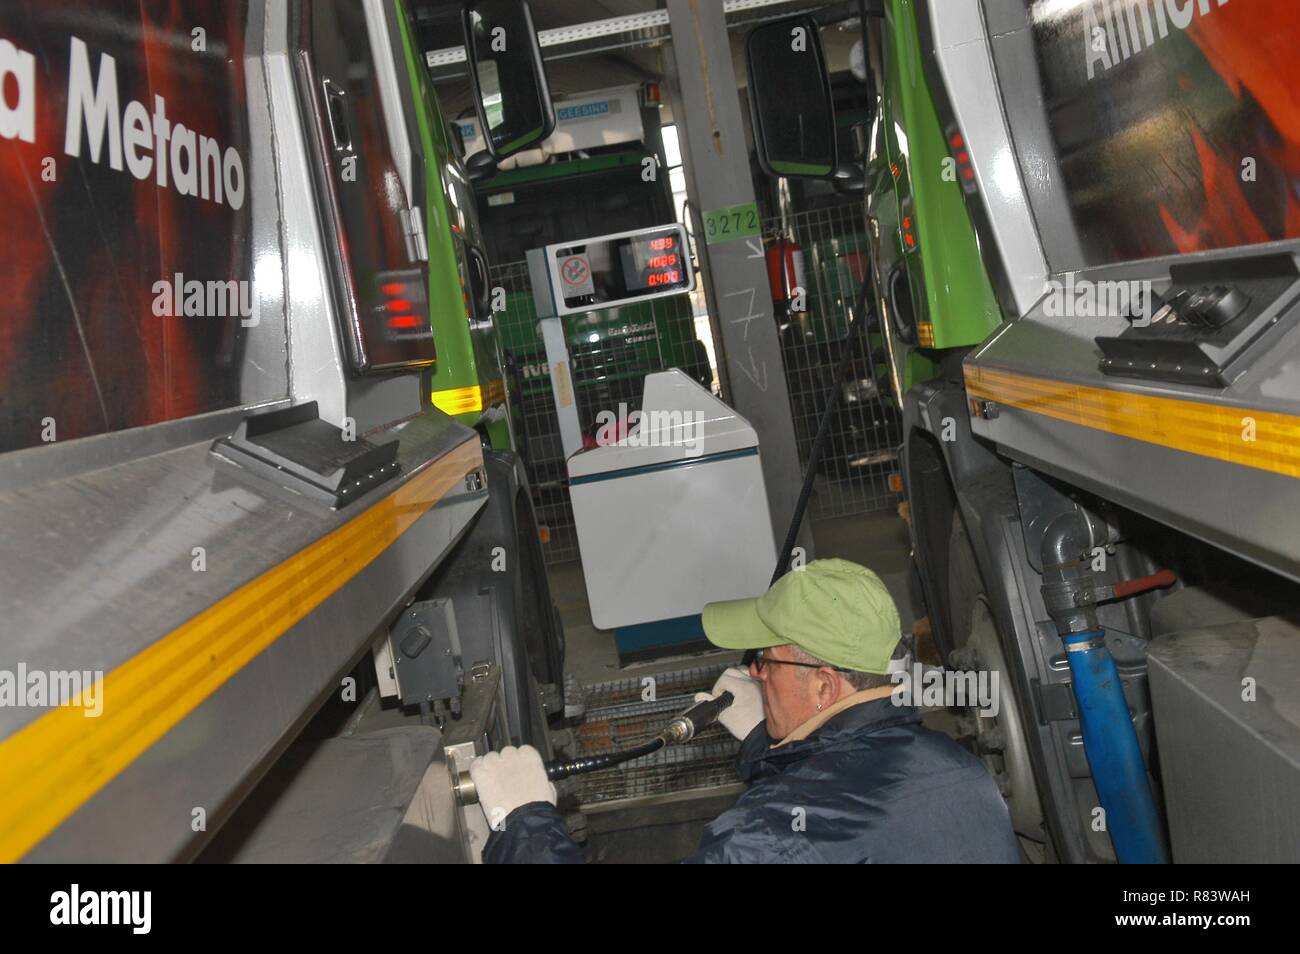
x=999 y=739
x=540 y=620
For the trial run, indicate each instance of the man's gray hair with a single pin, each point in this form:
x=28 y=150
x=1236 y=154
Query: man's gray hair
x=858 y=680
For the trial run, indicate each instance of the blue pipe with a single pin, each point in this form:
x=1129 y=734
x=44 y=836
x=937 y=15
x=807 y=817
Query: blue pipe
x=1111 y=744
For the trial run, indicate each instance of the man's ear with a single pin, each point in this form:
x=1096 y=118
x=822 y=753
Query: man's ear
x=828 y=686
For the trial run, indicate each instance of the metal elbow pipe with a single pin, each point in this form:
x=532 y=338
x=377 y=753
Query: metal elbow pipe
x=1069 y=590
x=1066 y=541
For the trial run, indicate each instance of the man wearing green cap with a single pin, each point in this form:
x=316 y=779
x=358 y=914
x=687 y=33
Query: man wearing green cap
x=838 y=770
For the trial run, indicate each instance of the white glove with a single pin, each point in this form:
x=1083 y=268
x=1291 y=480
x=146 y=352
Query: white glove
x=508 y=779
x=746 y=710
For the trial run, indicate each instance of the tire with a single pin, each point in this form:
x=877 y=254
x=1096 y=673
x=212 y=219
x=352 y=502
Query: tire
x=999 y=740
x=965 y=587
x=540 y=620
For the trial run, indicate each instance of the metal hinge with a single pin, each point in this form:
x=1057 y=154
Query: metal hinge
x=413 y=232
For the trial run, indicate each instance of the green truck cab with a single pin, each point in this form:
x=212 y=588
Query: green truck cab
x=466 y=382
x=931 y=282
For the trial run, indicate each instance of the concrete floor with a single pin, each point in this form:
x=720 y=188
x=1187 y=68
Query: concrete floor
x=877 y=540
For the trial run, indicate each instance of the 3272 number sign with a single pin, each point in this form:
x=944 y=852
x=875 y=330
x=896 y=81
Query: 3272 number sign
x=726 y=225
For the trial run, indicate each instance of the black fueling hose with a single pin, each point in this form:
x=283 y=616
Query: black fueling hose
x=593 y=763
x=682 y=728
x=855 y=331
x=824 y=427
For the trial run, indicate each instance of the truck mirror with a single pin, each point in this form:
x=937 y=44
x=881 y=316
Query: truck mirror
x=505 y=68
x=790 y=99
x=480 y=166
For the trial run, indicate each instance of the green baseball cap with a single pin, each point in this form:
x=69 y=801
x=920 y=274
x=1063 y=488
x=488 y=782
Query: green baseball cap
x=836 y=610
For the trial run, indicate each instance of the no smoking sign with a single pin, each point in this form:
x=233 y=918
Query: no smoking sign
x=575 y=273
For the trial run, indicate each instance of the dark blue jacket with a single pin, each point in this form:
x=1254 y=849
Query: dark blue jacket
x=871 y=785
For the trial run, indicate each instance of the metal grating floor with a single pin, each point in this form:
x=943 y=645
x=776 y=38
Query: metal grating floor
x=618 y=718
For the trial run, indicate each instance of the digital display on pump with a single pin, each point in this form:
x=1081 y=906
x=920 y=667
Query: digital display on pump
x=611 y=270
x=653 y=262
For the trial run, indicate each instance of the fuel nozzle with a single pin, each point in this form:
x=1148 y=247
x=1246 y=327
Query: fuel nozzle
x=694 y=720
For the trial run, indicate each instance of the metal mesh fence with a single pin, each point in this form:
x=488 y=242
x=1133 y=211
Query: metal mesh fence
x=611 y=351
x=617 y=719
x=536 y=427
x=829 y=250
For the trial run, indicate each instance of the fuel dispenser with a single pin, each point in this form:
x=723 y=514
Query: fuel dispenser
x=670 y=507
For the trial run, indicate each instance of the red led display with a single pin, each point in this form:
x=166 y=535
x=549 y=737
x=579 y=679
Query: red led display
x=604 y=271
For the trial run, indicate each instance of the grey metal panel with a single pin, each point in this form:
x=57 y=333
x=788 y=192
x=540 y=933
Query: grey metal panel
x=34 y=465
x=1230 y=767
x=94 y=569
x=316 y=363
x=1015 y=62
x=1251 y=512
x=961 y=48
x=265 y=371
x=346 y=801
x=539 y=280
x=316 y=366
x=375 y=401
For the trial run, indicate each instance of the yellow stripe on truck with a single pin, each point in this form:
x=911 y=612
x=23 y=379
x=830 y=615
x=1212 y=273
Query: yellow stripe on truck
x=54 y=765
x=1195 y=427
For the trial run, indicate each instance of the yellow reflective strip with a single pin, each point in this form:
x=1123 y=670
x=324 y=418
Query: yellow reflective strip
x=459 y=400
x=54 y=765
x=496 y=392
x=1196 y=427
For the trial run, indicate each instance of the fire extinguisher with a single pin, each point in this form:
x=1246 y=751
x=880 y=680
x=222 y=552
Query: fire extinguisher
x=785 y=274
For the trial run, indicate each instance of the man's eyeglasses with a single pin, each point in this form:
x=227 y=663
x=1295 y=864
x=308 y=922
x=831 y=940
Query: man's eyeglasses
x=759 y=661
